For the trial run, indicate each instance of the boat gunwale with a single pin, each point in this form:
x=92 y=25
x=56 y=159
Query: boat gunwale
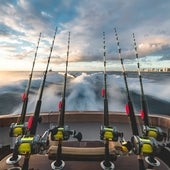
x=83 y=116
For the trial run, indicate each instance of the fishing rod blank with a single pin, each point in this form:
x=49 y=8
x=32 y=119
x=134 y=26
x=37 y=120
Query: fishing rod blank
x=155 y=132
x=62 y=103
x=106 y=163
x=35 y=119
x=31 y=143
x=106 y=112
x=62 y=132
x=26 y=94
x=19 y=128
x=144 y=111
x=129 y=106
x=149 y=131
x=107 y=133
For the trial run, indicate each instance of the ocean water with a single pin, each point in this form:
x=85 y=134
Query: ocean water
x=84 y=91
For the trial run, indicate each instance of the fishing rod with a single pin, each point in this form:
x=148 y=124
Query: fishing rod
x=19 y=128
x=35 y=119
x=148 y=130
x=144 y=111
x=129 y=106
x=107 y=133
x=62 y=103
x=31 y=143
x=141 y=146
x=26 y=94
x=106 y=112
x=62 y=132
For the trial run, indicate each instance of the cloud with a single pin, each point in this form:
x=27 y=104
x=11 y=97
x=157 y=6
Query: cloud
x=21 y=21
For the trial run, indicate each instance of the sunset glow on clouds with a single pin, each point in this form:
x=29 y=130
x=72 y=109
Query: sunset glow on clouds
x=21 y=21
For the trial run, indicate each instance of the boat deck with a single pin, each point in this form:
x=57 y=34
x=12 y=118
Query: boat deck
x=41 y=162
x=88 y=123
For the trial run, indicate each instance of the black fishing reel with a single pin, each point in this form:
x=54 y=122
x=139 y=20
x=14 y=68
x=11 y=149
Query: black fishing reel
x=109 y=133
x=17 y=129
x=155 y=132
x=64 y=133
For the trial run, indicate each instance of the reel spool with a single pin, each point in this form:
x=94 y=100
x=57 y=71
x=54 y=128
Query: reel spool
x=63 y=133
x=17 y=129
x=32 y=144
x=28 y=145
x=147 y=147
x=155 y=132
x=109 y=133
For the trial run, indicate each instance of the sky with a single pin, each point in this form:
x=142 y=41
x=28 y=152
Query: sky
x=21 y=22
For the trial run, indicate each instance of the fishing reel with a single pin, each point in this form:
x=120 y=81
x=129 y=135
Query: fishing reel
x=28 y=145
x=146 y=146
x=32 y=144
x=17 y=129
x=64 y=133
x=109 y=133
x=155 y=132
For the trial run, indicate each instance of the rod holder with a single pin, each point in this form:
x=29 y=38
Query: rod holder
x=54 y=167
x=152 y=161
x=104 y=167
x=11 y=161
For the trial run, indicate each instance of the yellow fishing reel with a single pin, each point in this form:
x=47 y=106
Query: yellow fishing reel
x=32 y=144
x=155 y=132
x=28 y=145
x=64 y=133
x=109 y=133
x=144 y=145
x=59 y=133
x=17 y=129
